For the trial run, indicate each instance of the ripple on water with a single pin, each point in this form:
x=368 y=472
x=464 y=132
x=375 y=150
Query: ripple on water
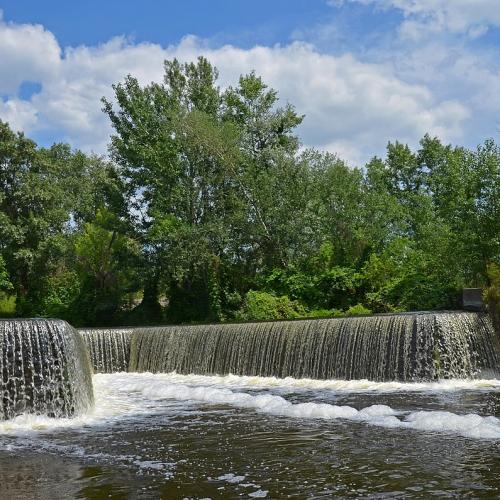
x=253 y=436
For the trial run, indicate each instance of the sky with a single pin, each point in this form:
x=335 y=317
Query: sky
x=363 y=72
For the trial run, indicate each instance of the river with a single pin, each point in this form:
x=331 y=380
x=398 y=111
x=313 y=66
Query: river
x=187 y=436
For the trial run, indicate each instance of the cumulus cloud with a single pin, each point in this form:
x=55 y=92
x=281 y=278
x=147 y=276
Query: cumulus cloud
x=428 y=17
x=21 y=115
x=352 y=107
x=27 y=52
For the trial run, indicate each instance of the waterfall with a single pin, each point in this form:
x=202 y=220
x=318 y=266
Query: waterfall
x=109 y=348
x=45 y=369
x=406 y=347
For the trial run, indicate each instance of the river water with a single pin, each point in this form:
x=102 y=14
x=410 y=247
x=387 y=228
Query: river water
x=185 y=436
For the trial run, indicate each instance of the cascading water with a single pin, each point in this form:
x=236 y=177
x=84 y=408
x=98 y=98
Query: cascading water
x=407 y=347
x=45 y=369
x=109 y=348
x=276 y=435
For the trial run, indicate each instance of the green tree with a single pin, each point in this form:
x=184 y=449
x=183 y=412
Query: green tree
x=5 y=284
x=45 y=195
x=105 y=267
x=492 y=295
x=202 y=168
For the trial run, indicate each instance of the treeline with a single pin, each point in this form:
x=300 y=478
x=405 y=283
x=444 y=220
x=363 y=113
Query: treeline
x=208 y=209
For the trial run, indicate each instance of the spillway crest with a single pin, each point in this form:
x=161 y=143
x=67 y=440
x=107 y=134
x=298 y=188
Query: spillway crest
x=109 y=348
x=406 y=347
x=45 y=369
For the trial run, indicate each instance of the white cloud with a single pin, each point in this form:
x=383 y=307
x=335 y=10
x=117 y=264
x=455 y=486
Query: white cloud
x=428 y=17
x=27 y=52
x=21 y=115
x=351 y=106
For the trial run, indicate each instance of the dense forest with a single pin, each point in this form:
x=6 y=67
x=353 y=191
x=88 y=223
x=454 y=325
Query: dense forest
x=208 y=208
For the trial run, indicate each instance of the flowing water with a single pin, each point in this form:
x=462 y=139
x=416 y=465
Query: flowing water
x=44 y=368
x=109 y=348
x=419 y=346
x=262 y=434
x=186 y=436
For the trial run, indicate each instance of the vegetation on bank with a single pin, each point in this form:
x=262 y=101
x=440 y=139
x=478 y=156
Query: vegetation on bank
x=208 y=209
x=492 y=295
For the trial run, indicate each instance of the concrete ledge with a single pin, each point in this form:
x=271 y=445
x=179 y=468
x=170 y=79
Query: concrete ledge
x=472 y=299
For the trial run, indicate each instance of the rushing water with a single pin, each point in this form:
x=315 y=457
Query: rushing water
x=420 y=346
x=44 y=368
x=298 y=418
x=186 y=436
x=109 y=348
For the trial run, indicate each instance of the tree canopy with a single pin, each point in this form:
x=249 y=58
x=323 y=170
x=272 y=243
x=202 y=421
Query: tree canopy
x=209 y=209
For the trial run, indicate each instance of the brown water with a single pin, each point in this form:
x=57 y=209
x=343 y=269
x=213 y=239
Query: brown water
x=172 y=436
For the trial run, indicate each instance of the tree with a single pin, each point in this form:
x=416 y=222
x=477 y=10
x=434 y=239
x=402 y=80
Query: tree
x=208 y=210
x=105 y=267
x=492 y=296
x=45 y=196
x=5 y=284
x=199 y=166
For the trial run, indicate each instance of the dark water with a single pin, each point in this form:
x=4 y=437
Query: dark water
x=168 y=436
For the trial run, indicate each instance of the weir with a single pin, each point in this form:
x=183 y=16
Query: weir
x=45 y=369
x=405 y=347
x=109 y=348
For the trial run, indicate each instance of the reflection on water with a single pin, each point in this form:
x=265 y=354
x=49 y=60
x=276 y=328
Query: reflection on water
x=167 y=436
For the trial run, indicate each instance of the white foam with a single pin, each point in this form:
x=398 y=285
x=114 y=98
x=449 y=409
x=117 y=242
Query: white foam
x=110 y=406
x=231 y=478
x=259 y=494
x=344 y=386
x=118 y=396
x=168 y=387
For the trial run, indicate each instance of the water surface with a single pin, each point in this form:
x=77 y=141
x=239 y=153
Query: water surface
x=185 y=436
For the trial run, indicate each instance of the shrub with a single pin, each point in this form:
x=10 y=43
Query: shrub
x=324 y=313
x=7 y=305
x=357 y=310
x=265 y=306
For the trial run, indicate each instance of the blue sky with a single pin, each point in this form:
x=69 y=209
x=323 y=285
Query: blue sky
x=165 y=22
x=364 y=72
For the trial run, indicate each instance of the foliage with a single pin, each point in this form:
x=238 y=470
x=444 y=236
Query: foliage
x=324 y=313
x=358 y=310
x=5 y=283
x=105 y=267
x=208 y=209
x=7 y=305
x=265 y=306
x=492 y=295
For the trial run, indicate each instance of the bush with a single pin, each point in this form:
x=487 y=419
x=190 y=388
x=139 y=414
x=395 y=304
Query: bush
x=61 y=293
x=357 y=310
x=324 y=313
x=265 y=306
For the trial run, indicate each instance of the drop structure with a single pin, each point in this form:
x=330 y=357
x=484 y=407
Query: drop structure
x=109 y=348
x=45 y=369
x=405 y=347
